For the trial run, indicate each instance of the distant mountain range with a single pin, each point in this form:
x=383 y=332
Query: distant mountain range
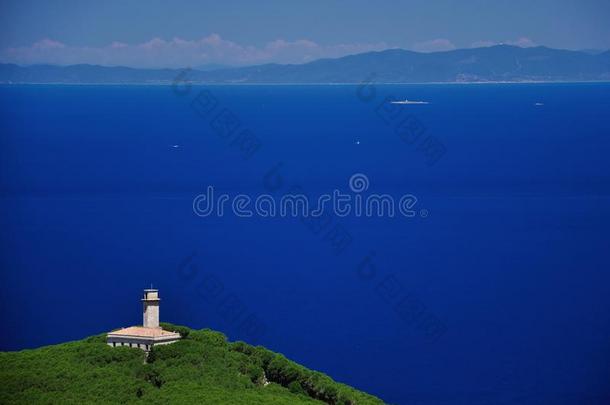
x=496 y=63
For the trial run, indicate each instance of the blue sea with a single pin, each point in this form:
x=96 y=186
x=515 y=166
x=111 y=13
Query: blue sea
x=497 y=291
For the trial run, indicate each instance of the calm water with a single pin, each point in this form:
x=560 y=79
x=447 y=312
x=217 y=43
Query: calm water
x=512 y=259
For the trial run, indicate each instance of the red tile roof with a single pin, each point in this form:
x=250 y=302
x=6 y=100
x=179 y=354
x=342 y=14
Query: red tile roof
x=143 y=332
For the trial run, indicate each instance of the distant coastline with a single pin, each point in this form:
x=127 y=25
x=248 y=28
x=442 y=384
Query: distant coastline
x=161 y=84
x=492 y=65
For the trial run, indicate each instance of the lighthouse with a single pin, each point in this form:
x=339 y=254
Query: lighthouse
x=150 y=311
x=150 y=333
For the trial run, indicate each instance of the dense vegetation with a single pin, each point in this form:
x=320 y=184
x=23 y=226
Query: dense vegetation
x=201 y=368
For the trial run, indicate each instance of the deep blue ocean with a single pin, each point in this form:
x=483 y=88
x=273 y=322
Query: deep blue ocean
x=496 y=292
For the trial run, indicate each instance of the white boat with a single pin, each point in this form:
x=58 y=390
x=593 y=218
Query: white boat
x=405 y=101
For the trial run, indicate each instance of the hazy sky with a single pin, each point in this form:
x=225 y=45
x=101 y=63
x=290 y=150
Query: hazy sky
x=155 y=33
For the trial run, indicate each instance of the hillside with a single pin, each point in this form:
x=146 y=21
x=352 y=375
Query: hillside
x=202 y=368
x=495 y=63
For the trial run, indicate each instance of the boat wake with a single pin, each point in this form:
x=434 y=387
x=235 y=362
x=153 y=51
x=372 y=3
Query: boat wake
x=405 y=101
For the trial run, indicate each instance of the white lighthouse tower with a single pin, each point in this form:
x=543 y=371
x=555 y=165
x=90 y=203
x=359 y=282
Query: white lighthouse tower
x=150 y=304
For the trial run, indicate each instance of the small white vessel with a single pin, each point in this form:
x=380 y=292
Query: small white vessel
x=405 y=101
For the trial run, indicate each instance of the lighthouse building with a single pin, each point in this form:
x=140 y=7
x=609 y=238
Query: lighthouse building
x=150 y=333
